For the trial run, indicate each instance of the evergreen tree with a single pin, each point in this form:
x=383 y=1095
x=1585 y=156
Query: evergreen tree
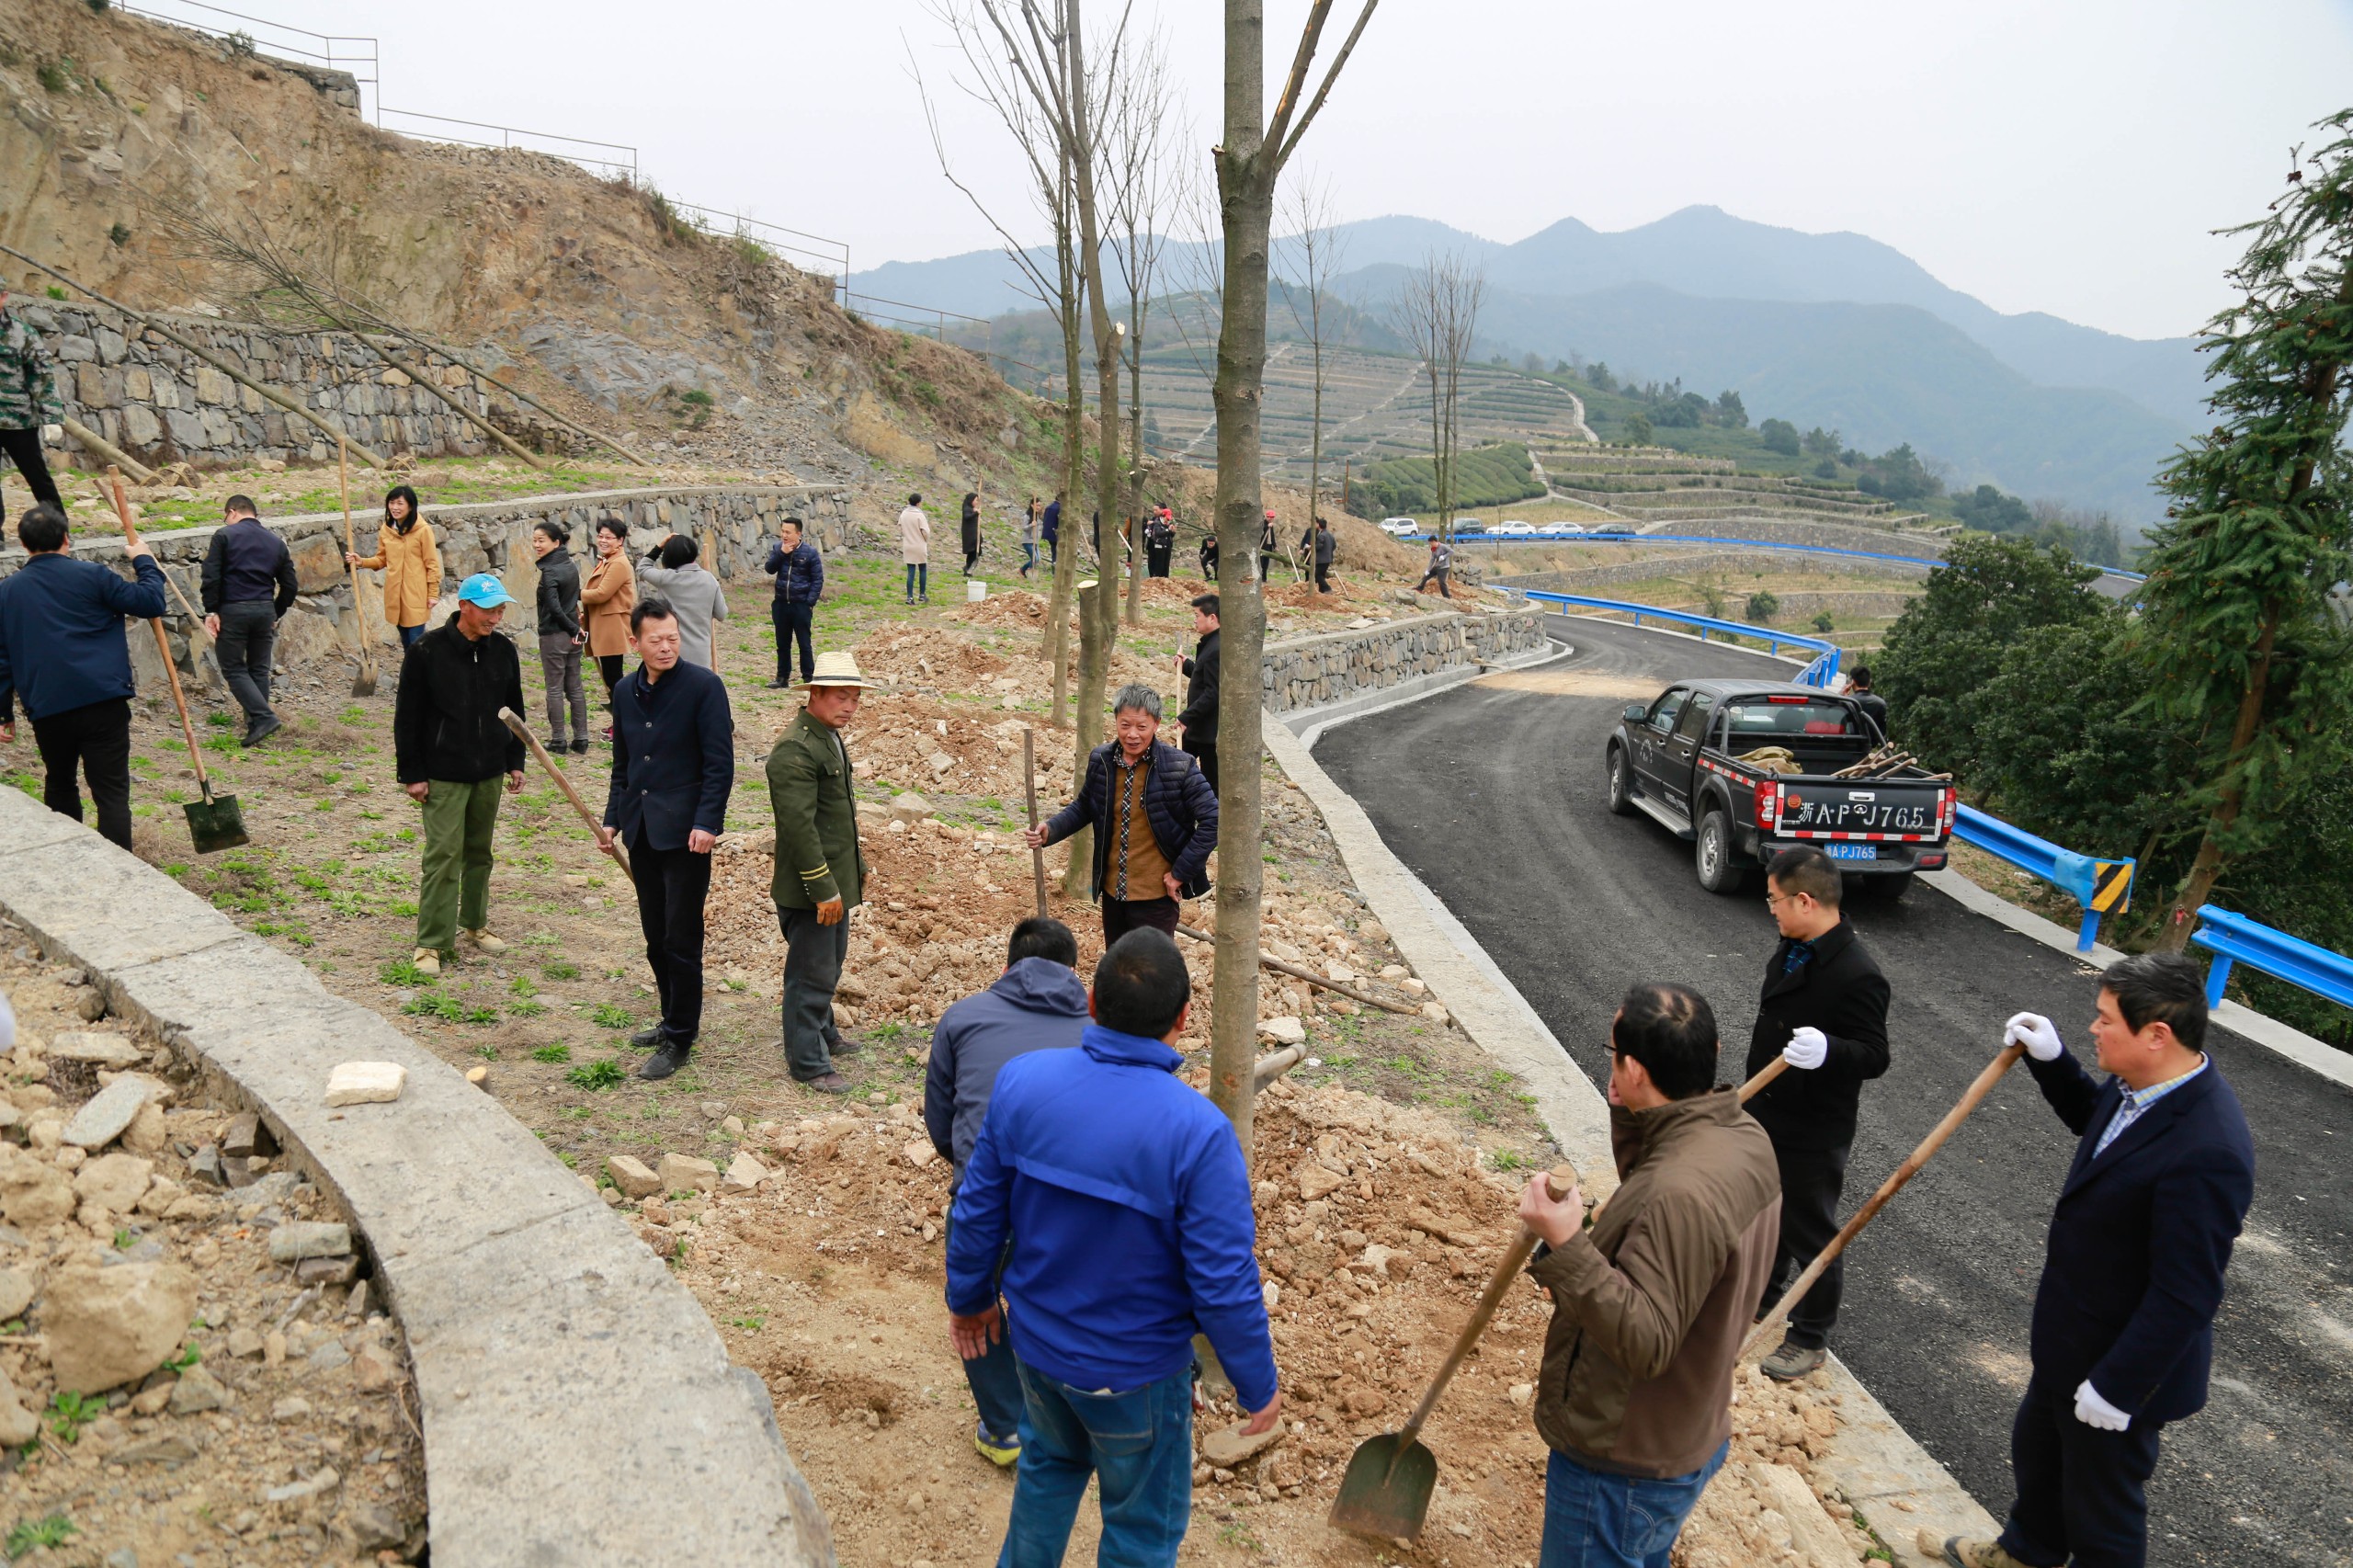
x=2238 y=635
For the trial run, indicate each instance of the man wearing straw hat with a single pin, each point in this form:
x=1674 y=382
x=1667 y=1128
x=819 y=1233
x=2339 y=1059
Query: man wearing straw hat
x=820 y=875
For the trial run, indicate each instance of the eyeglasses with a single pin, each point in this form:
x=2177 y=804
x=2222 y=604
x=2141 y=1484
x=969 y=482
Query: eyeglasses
x=1775 y=899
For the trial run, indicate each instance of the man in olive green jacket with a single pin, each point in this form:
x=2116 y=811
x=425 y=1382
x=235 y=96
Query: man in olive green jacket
x=820 y=875
x=1650 y=1304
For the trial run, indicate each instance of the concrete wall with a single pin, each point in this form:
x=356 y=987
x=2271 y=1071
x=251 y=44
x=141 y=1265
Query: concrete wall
x=163 y=404
x=1313 y=672
x=734 y=525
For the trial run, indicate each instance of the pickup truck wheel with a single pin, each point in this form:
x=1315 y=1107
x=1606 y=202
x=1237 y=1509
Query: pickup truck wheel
x=1712 y=854
x=1622 y=787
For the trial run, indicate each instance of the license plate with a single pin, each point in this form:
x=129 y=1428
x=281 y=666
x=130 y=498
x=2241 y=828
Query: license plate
x=1851 y=851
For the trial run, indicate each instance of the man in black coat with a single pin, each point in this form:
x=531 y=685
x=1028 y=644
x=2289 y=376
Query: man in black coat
x=1197 y=725
x=248 y=583
x=674 y=766
x=2123 y=1334
x=1155 y=818
x=1824 y=1011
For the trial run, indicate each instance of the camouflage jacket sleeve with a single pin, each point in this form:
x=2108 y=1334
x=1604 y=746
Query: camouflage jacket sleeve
x=28 y=396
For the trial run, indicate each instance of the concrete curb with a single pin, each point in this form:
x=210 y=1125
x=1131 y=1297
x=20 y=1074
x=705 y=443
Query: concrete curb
x=1885 y=1473
x=578 y=1406
x=1310 y=722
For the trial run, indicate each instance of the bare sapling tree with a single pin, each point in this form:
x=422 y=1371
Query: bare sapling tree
x=1006 y=86
x=1318 y=249
x=1249 y=160
x=1141 y=133
x=1436 y=309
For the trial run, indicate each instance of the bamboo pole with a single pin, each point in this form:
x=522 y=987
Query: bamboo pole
x=574 y=425
x=100 y=446
x=1029 y=776
x=459 y=409
x=160 y=330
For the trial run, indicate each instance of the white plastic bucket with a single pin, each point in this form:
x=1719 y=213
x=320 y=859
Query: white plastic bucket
x=975 y=591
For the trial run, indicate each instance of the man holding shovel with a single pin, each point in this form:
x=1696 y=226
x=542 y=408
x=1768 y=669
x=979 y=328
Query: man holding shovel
x=674 y=766
x=449 y=750
x=1649 y=1306
x=2124 y=1333
x=820 y=871
x=63 y=655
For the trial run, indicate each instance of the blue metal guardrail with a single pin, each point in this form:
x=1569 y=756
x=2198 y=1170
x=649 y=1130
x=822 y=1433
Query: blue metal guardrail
x=2102 y=887
x=2234 y=938
x=1818 y=673
x=1555 y=537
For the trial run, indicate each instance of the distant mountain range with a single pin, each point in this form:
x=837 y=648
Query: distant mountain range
x=1837 y=330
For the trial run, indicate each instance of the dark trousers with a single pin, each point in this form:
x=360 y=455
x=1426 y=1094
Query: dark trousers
x=608 y=670
x=1439 y=578
x=995 y=1377
x=560 y=666
x=971 y=558
x=672 y=885
x=2082 y=1491
x=793 y=627
x=813 y=956
x=1323 y=576
x=97 y=738
x=410 y=635
x=1122 y=916
x=1811 y=1182
x=248 y=632
x=1205 y=754
x=23 y=447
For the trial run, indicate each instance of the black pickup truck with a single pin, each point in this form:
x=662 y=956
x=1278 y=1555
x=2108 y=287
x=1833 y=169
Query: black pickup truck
x=1689 y=759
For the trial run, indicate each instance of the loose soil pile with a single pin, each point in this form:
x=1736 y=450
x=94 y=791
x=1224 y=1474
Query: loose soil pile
x=168 y=1392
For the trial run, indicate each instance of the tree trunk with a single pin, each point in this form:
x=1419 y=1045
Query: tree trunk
x=1078 y=877
x=1065 y=561
x=2206 y=867
x=1135 y=458
x=1247 y=192
x=1099 y=611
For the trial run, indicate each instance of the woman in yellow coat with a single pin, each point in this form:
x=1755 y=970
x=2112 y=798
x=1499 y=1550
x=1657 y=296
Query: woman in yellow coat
x=411 y=561
x=605 y=602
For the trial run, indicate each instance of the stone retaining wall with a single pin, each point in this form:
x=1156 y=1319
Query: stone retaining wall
x=1312 y=671
x=577 y=1406
x=163 y=404
x=735 y=525
x=1829 y=535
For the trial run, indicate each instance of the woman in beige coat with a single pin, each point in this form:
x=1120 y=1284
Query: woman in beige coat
x=410 y=559
x=915 y=549
x=605 y=599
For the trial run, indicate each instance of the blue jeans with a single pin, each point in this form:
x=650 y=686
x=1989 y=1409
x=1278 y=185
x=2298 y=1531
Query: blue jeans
x=1593 y=1520
x=918 y=578
x=995 y=1377
x=409 y=634
x=1029 y=556
x=1138 y=1445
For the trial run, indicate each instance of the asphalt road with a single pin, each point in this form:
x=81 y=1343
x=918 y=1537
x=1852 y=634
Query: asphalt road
x=1493 y=794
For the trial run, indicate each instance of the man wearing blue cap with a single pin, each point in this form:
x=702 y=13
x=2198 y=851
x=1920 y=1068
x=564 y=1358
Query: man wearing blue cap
x=449 y=749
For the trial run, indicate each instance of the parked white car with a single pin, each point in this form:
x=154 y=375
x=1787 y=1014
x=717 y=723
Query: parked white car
x=1514 y=528
x=1400 y=526
x=1568 y=527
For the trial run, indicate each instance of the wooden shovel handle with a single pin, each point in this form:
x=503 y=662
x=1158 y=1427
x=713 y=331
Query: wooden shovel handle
x=350 y=549
x=1030 y=777
x=1560 y=1182
x=523 y=732
x=163 y=640
x=1943 y=1129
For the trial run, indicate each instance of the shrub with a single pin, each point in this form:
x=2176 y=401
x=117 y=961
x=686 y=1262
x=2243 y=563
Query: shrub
x=1762 y=606
x=1824 y=623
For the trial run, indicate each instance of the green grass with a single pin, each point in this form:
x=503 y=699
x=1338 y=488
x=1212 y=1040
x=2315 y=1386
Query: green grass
x=611 y=1016
x=601 y=1074
x=69 y=1412
x=31 y=1534
x=553 y=1053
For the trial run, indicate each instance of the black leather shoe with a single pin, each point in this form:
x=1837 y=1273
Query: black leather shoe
x=580 y=746
x=831 y=1084
x=645 y=1038
x=844 y=1047
x=664 y=1062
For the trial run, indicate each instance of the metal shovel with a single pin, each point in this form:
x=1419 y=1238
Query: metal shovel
x=213 y=822
x=1386 y=1488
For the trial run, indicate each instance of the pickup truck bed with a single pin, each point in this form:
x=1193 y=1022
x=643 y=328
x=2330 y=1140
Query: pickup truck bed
x=1745 y=769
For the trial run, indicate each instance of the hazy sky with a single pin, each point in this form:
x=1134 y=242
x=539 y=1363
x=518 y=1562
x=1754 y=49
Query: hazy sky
x=2061 y=155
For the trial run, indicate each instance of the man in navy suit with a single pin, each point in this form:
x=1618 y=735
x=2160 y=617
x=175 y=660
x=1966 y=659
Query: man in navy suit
x=674 y=766
x=2124 y=1318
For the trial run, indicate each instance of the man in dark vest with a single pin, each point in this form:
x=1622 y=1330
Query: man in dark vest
x=1825 y=1012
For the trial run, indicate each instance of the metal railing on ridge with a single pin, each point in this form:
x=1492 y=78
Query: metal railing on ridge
x=1820 y=672
x=358 y=56
x=620 y=168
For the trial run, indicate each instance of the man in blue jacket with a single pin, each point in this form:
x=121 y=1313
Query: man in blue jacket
x=1036 y=1004
x=62 y=652
x=673 y=765
x=800 y=574
x=1155 y=816
x=248 y=583
x=2123 y=1329
x=1128 y=1204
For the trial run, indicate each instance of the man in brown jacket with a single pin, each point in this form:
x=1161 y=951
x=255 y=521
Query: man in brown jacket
x=1650 y=1305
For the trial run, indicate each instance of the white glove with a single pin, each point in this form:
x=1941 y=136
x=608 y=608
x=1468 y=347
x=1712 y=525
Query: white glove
x=2093 y=1411
x=2037 y=1033
x=50 y=435
x=1808 y=1049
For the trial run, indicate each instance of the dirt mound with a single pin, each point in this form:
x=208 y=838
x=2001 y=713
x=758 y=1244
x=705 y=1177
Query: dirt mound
x=914 y=658
x=1015 y=607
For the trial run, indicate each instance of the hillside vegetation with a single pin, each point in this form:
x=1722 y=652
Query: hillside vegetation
x=1484 y=476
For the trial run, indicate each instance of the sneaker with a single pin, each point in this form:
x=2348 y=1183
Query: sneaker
x=664 y=1062
x=580 y=746
x=1791 y=1362
x=646 y=1038
x=831 y=1084
x=485 y=940
x=263 y=728
x=426 y=961
x=1962 y=1553
x=1002 y=1452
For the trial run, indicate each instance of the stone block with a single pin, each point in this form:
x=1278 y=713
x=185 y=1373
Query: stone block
x=685 y=1173
x=186 y=429
x=631 y=1176
x=112 y=346
x=114 y=1182
x=140 y=429
x=113 y=1051
x=107 y=1326
x=299 y=1239
x=109 y=1113
x=212 y=387
x=366 y=1083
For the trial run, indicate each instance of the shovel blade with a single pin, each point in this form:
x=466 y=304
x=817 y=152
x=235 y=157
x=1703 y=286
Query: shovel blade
x=364 y=683
x=1386 y=1490
x=216 y=824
